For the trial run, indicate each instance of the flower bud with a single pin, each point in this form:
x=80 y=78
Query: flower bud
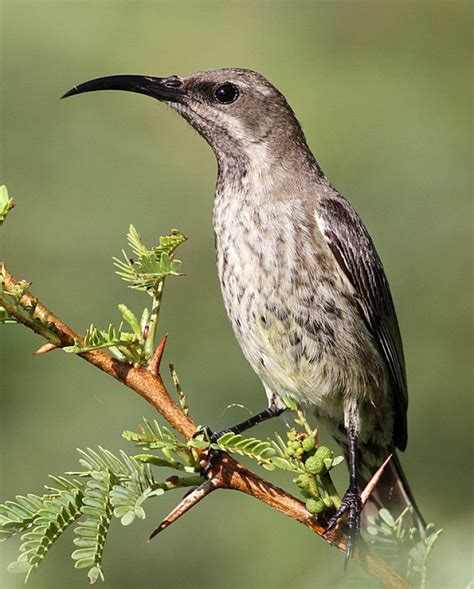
x=309 y=444
x=314 y=465
x=323 y=453
x=302 y=481
x=315 y=506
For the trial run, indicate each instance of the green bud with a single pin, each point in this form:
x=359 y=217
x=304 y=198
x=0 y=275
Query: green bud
x=314 y=465
x=315 y=506
x=302 y=481
x=295 y=444
x=299 y=453
x=323 y=453
x=309 y=444
x=289 y=451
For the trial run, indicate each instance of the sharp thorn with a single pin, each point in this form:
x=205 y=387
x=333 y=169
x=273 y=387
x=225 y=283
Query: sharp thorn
x=188 y=502
x=155 y=362
x=46 y=348
x=366 y=493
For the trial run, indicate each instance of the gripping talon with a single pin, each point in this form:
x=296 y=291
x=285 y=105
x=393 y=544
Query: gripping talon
x=352 y=504
x=211 y=455
x=275 y=408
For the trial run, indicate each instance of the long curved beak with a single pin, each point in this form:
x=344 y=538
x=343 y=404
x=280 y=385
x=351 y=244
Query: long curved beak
x=168 y=89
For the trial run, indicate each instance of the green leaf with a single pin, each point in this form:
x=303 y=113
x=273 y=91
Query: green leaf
x=95 y=573
x=155 y=460
x=98 y=508
x=328 y=463
x=128 y=344
x=387 y=517
x=156 y=492
x=287 y=464
x=145 y=318
x=6 y=203
x=128 y=518
x=169 y=243
x=176 y=266
x=400 y=545
x=18 y=567
x=198 y=443
x=372 y=530
x=127 y=498
x=151 y=266
x=165 y=263
x=15 y=517
x=131 y=319
x=56 y=514
x=337 y=460
x=84 y=563
x=259 y=450
x=223 y=440
x=135 y=242
x=173 y=450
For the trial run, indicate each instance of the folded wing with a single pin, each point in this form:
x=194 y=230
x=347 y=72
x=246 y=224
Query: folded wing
x=355 y=253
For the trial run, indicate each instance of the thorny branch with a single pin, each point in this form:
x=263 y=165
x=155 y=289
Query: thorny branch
x=226 y=473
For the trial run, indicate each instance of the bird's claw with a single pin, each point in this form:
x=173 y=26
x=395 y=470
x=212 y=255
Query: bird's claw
x=211 y=455
x=352 y=504
x=209 y=434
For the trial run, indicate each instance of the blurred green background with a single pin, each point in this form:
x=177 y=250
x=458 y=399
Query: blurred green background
x=382 y=90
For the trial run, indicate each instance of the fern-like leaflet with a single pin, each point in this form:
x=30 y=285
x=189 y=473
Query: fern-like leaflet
x=92 y=531
x=58 y=511
x=175 y=453
x=6 y=203
x=261 y=451
x=118 y=485
x=152 y=266
x=128 y=497
x=17 y=516
x=132 y=485
x=401 y=545
x=124 y=345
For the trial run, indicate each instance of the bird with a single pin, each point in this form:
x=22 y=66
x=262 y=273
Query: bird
x=302 y=282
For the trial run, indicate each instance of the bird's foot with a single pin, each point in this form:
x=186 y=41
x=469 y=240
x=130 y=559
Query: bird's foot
x=209 y=434
x=212 y=455
x=352 y=505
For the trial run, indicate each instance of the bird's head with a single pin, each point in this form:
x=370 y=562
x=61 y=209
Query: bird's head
x=240 y=114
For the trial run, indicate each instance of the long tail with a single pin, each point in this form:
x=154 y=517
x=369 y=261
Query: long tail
x=393 y=493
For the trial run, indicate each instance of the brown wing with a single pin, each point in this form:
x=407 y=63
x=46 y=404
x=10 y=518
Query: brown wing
x=355 y=252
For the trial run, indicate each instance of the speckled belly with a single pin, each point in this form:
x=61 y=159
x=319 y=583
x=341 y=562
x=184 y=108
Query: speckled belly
x=298 y=324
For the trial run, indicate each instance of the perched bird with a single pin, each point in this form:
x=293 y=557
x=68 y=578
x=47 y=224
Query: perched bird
x=302 y=282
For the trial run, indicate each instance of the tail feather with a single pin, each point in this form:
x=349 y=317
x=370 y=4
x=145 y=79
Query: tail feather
x=393 y=493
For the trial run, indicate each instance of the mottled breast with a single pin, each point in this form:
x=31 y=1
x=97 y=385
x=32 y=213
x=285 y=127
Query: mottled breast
x=292 y=309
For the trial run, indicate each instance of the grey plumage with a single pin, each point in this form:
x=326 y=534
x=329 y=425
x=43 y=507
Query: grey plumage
x=302 y=283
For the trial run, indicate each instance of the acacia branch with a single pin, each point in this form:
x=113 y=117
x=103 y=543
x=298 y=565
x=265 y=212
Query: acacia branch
x=226 y=472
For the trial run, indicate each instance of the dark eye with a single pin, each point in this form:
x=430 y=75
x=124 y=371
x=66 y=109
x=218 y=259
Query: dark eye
x=226 y=93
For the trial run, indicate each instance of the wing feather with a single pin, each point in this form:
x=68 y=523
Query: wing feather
x=355 y=252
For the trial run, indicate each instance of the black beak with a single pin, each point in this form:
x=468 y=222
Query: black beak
x=169 y=89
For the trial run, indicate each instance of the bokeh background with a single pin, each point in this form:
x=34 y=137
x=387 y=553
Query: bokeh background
x=382 y=90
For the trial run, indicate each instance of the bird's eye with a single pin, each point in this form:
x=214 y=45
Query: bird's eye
x=226 y=93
